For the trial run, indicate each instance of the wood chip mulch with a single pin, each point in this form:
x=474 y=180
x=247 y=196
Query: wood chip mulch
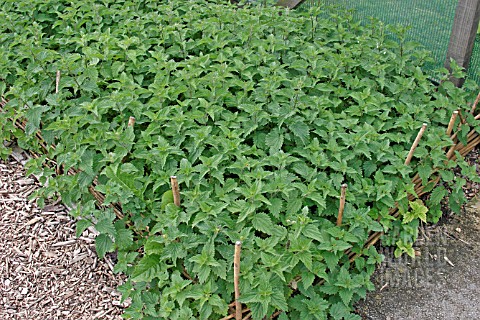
x=45 y=271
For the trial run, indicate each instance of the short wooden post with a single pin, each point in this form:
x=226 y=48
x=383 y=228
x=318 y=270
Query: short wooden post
x=452 y=122
x=291 y=4
x=175 y=190
x=463 y=35
x=342 y=204
x=477 y=100
x=57 y=81
x=236 y=280
x=131 y=121
x=415 y=144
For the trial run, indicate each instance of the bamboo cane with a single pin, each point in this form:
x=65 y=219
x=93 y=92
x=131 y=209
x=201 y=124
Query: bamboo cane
x=342 y=204
x=175 y=190
x=462 y=119
x=236 y=280
x=57 y=81
x=131 y=121
x=415 y=144
x=452 y=122
x=477 y=100
x=248 y=316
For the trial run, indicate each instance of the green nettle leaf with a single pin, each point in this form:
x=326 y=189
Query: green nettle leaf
x=339 y=311
x=81 y=226
x=301 y=130
x=276 y=207
x=123 y=237
x=424 y=171
x=331 y=259
x=346 y=295
x=278 y=300
x=103 y=244
x=274 y=140
x=167 y=198
x=204 y=262
x=307 y=279
x=262 y=222
x=417 y=211
x=312 y=232
x=105 y=225
x=33 y=116
x=438 y=194
x=147 y=268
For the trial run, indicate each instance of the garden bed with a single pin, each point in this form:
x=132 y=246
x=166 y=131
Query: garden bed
x=273 y=125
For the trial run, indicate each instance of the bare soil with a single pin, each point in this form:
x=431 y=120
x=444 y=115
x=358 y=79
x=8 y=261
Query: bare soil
x=443 y=281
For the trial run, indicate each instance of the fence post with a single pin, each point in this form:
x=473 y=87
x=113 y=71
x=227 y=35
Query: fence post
x=291 y=4
x=463 y=35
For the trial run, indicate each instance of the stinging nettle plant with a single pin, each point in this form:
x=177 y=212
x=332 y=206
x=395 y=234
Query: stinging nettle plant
x=262 y=114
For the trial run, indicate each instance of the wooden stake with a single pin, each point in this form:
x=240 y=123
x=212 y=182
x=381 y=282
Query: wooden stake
x=175 y=190
x=475 y=104
x=57 y=81
x=462 y=119
x=415 y=144
x=342 y=205
x=131 y=121
x=249 y=316
x=452 y=122
x=236 y=282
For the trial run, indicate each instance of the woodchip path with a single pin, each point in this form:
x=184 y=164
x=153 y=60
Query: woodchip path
x=45 y=271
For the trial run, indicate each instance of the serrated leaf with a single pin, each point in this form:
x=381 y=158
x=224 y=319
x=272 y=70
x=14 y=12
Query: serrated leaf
x=33 y=116
x=274 y=140
x=123 y=236
x=167 y=198
x=262 y=222
x=301 y=130
x=105 y=226
x=306 y=258
x=81 y=226
x=307 y=279
x=278 y=300
x=438 y=194
x=369 y=167
x=331 y=259
x=147 y=269
x=339 y=311
x=417 y=211
x=103 y=244
x=424 y=171
x=276 y=207
x=346 y=295
x=311 y=231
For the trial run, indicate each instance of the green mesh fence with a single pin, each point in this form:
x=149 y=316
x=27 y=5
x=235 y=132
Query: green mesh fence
x=474 y=68
x=430 y=21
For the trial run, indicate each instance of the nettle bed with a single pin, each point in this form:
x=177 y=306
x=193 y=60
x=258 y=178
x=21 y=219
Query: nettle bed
x=262 y=114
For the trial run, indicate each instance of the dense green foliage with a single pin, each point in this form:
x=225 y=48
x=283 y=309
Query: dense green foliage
x=261 y=113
